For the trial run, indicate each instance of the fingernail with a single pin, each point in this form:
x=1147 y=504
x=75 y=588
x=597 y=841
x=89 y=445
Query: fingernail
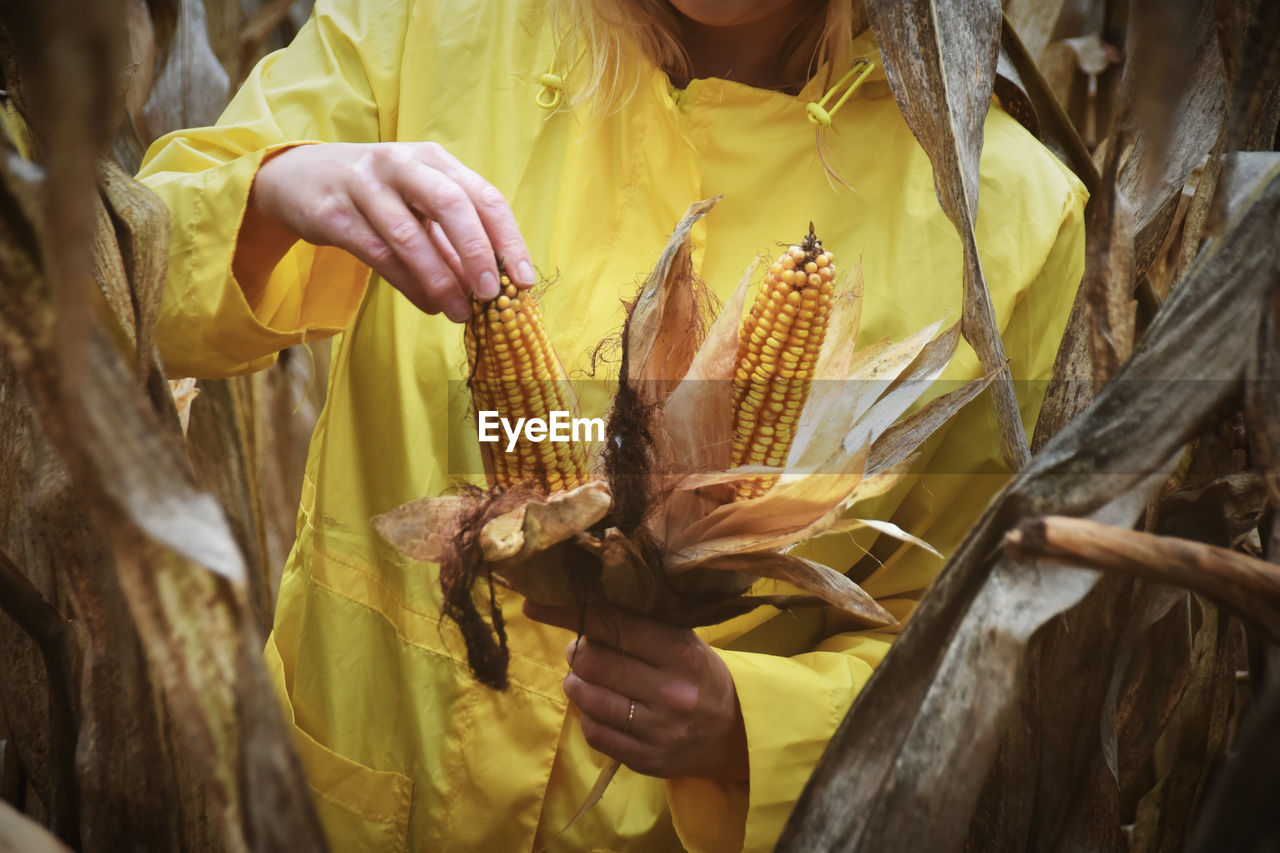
x=526 y=273
x=488 y=288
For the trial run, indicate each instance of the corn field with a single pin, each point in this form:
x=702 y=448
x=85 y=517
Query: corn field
x=1095 y=669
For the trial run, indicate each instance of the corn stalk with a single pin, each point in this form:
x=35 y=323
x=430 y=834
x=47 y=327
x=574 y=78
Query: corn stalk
x=1030 y=705
x=135 y=703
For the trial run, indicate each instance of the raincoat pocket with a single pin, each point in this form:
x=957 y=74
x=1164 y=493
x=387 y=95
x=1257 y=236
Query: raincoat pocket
x=361 y=809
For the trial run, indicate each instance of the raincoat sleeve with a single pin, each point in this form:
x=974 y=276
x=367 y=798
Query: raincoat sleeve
x=792 y=706
x=348 y=56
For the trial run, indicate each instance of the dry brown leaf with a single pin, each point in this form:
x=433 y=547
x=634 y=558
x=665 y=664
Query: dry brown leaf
x=1109 y=276
x=1197 y=733
x=161 y=632
x=901 y=439
x=923 y=735
x=193 y=87
x=1237 y=812
x=1057 y=132
x=940 y=61
x=563 y=515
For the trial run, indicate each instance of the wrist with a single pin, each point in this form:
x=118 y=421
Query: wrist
x=262 y=240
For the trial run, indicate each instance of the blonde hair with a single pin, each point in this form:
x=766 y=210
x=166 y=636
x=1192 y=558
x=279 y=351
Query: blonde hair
x=604 y=42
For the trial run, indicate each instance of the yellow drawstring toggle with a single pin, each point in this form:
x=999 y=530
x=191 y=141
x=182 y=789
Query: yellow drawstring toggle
x=552 y=87
x=818 y=113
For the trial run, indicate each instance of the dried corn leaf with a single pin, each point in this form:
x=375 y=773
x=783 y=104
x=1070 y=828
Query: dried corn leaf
x=227 y=745
x=907 y=387
x=890 y=529
x=193 y=87
x=1169 y=119
x=1170 y=110
x=940 y=61
x=1153 y=651
x=220 y=446
x=1109 y=276
x=843 y=323
x=896 y=444
x=921 y=738
x=1039 y=22
x=140 y=223
x=781 y=516
x=1262 y=411
x=1198 y=733
x=1250 y=43
x=1252 y=49
x=104 y=784
x=1057 y=132
x=1238 y=811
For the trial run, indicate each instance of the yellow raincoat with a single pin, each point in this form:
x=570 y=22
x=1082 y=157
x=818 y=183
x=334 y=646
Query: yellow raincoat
x=402 y=749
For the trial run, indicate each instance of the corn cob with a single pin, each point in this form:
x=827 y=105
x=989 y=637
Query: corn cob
x=515 y=372
x=778 y=347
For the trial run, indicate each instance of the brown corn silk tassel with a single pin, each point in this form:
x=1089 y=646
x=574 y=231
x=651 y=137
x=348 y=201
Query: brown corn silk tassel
x=778 y=347
x=515 y=372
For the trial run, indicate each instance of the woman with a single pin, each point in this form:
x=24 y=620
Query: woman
x=459 y=131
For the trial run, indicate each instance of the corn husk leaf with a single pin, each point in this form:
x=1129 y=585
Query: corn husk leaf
x=839 y=416
x=561 y=516
x=664 y=326
x=418 y=529
x=901 y=439
x=819 y=581
x=701 y=404
x=780 y=517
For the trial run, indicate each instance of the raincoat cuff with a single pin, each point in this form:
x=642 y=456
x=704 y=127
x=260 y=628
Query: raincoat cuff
x=311 y=293
x=294 y=296
x=790 y=712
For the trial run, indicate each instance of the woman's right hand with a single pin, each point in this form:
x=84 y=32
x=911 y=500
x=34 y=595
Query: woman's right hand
x=423 y=221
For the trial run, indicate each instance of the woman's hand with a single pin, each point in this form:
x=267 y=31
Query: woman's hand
x=685 y=720
x=424 y=222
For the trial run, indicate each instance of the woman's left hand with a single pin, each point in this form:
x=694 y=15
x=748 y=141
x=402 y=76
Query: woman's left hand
x=656 y=698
